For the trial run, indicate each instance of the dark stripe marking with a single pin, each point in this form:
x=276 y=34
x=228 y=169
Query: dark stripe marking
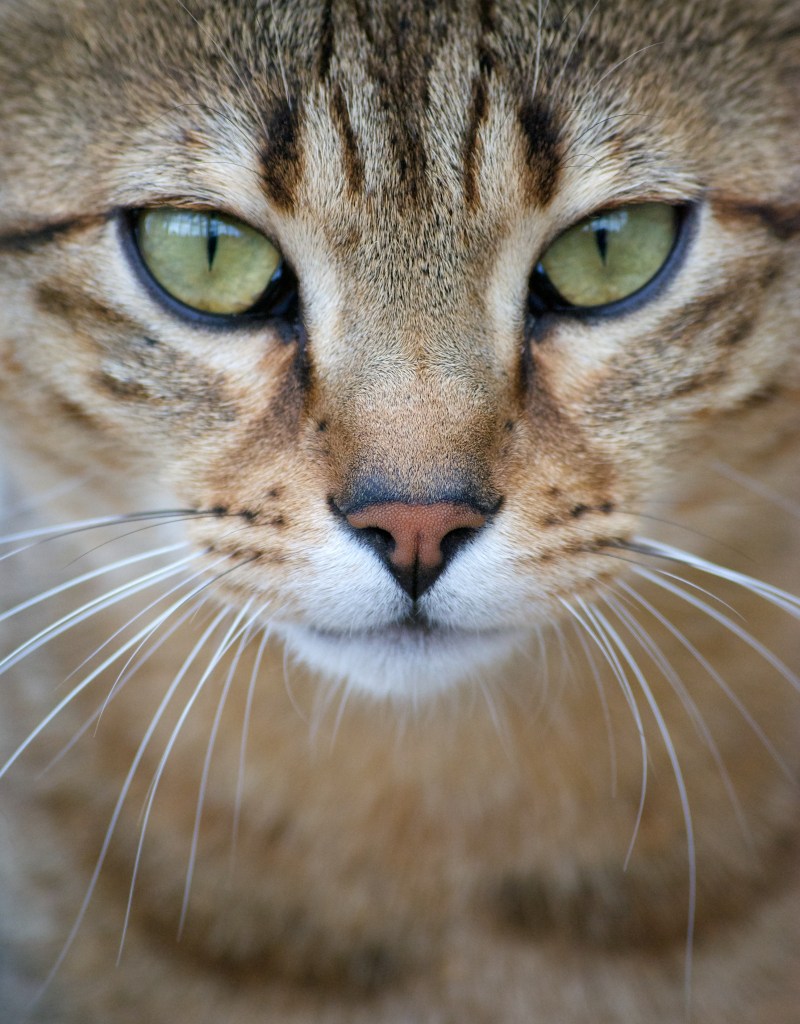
x=783 y=221
x=351 y=156
x=29 y=238
x=543 y=146
x=281 y=157
x=326 y=41
x=478 y=112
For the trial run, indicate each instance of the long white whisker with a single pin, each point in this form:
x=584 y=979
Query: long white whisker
x=251 y=687
x=790 y=603
x=91 y=608
x=780 y=667
x=601 y=693
x=120 y=652
x=154 y=784
x=732 y=696
x=119 y=805
x=669 y=746
x=126 y=673
x=185 y=582
x=598 y=633
x=47 y=533
x=244 y=637
x=655 y=652
x=85 y=577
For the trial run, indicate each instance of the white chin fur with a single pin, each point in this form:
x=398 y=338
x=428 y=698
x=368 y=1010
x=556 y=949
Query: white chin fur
x=398 y=664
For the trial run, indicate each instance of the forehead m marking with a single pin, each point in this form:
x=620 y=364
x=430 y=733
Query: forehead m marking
x=352 y=160
x=281 y=157
x=542 y=149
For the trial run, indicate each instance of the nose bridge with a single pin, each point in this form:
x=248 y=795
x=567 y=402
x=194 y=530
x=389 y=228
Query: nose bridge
x=414 y=435
x=410 y=393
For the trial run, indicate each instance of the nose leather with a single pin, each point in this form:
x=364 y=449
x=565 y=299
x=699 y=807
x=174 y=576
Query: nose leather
x=416 y=541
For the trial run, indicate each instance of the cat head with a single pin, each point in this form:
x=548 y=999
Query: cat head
x=409 y=306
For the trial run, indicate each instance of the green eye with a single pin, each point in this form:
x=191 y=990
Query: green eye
x=207 y=260
x=609 y=256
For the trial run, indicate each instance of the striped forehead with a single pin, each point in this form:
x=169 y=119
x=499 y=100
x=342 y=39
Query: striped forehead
x=398 y=110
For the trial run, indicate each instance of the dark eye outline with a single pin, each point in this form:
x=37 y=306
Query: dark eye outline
x=279 y=302
x=544 y=298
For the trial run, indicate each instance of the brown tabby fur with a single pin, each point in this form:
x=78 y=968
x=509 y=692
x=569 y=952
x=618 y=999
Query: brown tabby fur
x=460 y=858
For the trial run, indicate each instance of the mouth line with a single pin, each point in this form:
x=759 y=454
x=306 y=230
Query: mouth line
x=412 y=627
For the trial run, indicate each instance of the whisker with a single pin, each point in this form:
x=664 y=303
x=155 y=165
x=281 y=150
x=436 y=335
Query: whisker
x=251 y=686
x=244 y=638
x=119 y=805
x=185 y=582
x=790 y=603
x=619 y=64
x=757 y=487
x=669 y=746
x=45 y=534
x=123 y=563
x=575 y=41
x=601 y=692
x=101 y=668
x=724 y=620
x=732 y=696
x=125 y=674
x=229 y=638
x=629 y=546
x=80 y=687
x=150 y=526
x=91 y=608
x=655 y=652
x=598 y=633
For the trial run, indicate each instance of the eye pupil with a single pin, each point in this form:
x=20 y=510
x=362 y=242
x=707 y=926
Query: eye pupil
x=601 y=236
x=213 y=241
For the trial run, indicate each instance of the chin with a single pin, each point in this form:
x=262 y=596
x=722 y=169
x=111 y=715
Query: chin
x=401 y=662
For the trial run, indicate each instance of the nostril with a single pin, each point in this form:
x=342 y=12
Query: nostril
x=381 y=540
x=453 y=541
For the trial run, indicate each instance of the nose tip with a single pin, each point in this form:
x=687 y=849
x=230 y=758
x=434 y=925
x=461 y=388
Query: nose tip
x=416 y=541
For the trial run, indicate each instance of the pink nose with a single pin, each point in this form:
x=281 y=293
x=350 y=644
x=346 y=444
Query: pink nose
x=415 y=540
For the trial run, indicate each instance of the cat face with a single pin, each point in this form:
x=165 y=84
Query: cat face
x=468 y=359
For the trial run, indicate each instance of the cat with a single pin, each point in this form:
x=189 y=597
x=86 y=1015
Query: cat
x=401 y=503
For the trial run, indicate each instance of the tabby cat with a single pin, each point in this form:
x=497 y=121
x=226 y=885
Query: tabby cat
x=401 y=511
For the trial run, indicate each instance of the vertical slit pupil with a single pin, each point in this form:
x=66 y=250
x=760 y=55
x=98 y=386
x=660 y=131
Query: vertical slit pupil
x=601 y=234
x=212 y=241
